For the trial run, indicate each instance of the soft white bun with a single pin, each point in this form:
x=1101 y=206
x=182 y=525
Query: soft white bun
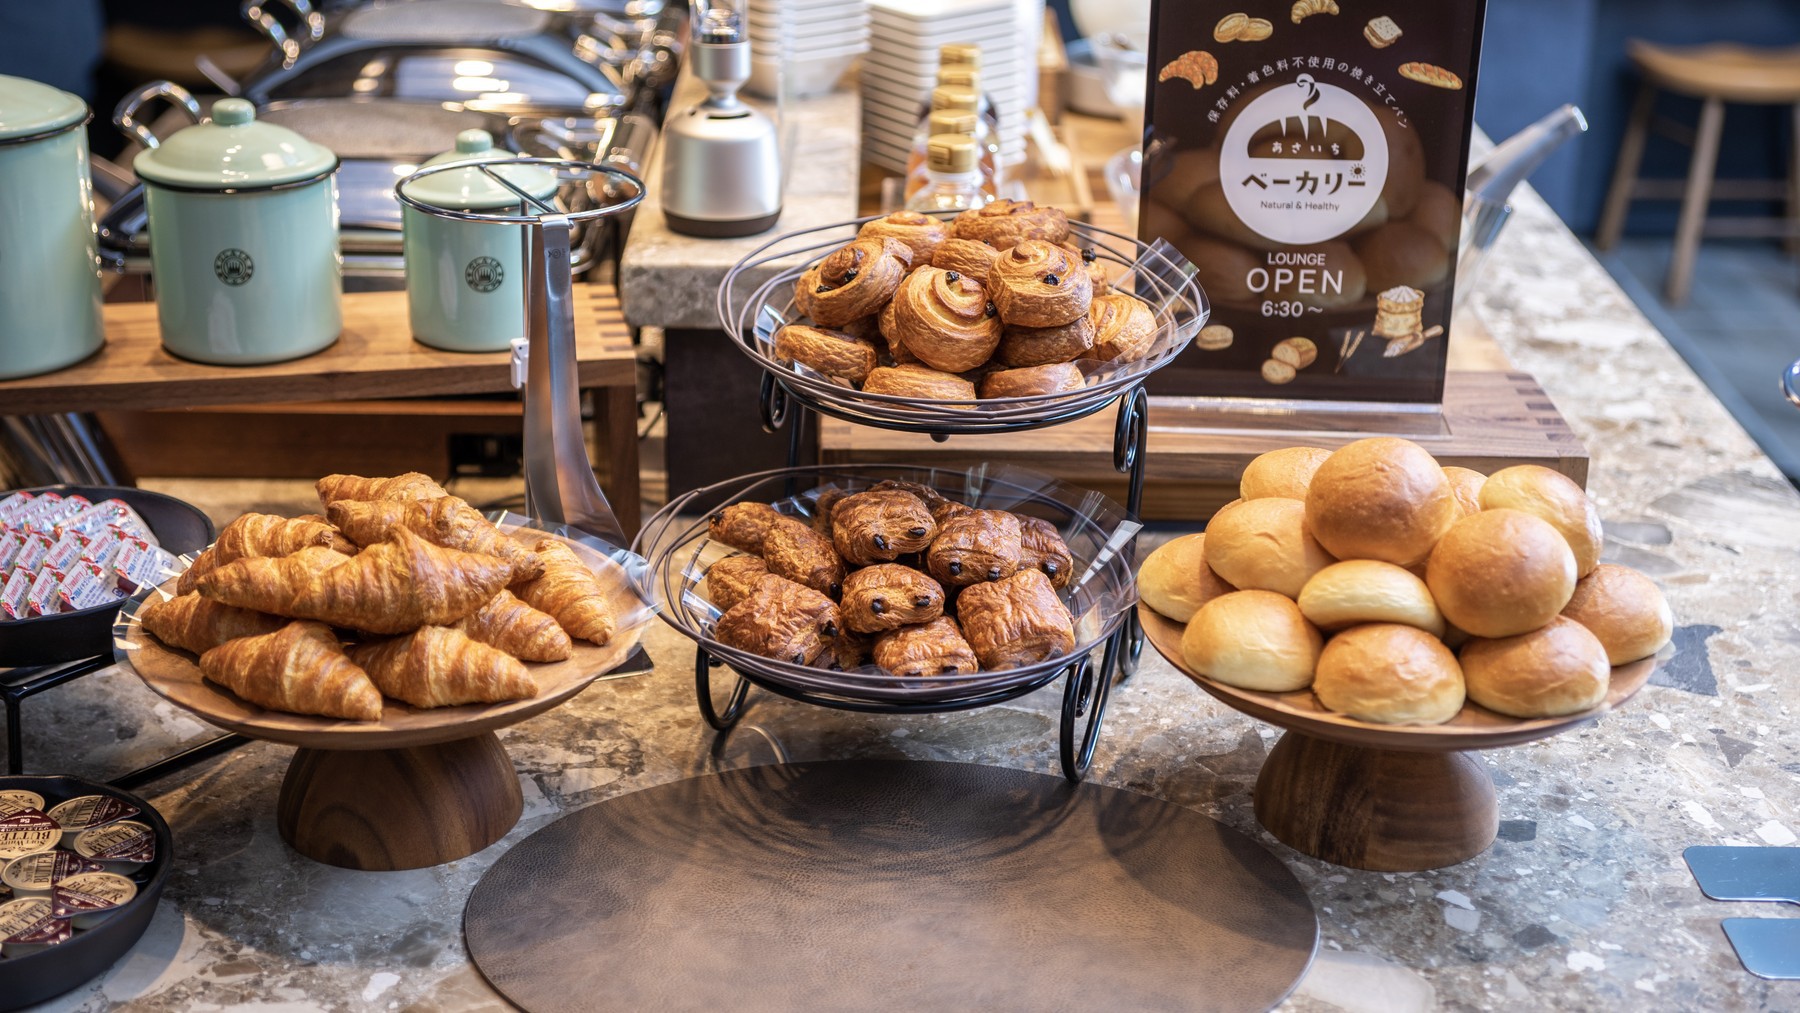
x=1501 y=573
x=1175 y=581
x=1369 y=591
x=1554 y=497
x=1393 y=674
x=1465 y=485
x=1285 y=473
x=1624 y=609
x=1381 y=498
x=1252 y=640
x=1263 y=544
x=1557 y=669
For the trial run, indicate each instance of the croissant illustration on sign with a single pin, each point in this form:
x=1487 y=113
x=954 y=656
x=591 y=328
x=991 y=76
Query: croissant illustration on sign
x=1303 y=163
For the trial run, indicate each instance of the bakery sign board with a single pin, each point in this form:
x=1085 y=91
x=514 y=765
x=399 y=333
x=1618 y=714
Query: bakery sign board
x=1309 y=157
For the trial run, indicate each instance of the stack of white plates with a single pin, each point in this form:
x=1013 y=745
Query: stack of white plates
x=802 y=47
x=902 y=65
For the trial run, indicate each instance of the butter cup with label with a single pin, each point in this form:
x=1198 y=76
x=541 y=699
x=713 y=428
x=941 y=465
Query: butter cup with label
x=34 y=874
x=27 y=831
x=27 y=926
x=14 y=799
x=90 y=898
x=90 y=811
x=123 y=847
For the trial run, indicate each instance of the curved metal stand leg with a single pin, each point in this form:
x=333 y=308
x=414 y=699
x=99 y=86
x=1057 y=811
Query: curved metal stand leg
x=734 y=708
x=1131 y=444
x=1085 y=692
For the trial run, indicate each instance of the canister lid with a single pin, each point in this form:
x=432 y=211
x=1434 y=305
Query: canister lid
x=234 y=151
x=960 y=74
x=29 y=108
x=955 y=96
x=950 y=153
x=952 y=121
x=961 y=54
x=472 y=189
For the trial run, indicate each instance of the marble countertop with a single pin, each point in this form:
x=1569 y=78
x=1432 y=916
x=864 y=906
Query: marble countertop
x=1583 y=902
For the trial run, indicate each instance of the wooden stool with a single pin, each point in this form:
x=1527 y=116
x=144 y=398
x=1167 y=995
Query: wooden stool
x=1715 y=74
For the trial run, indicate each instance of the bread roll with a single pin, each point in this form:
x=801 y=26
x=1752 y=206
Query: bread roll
x=1252 y=640
x=1392 y=674
x=1209 y=212
x=1500 y=573
x=1380 y=498
x=1263 y=544
x=1624 y=609
x=1554 y=497
x=1368 y=591
x=1557 y=669
x=1401 y=253
x=1465 y=485
x=1286 y=473
x=1175 y=581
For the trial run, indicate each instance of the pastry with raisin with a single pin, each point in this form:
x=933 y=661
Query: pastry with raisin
x=888 y=596
x=782 y=620
x=977 y=546
x=802 y=555
x=934 y=648
x=1044 y=550
x=878 y=526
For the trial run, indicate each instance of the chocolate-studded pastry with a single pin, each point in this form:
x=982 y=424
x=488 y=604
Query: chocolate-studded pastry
x=945 y=319
x=852 y=282
x=821 y=511
x=921 y=233
x=742 y=525
x=1039 y=284
x=922 y=383
x=965 y=256
x=1041 y=346
x=795 y=551
x=934 y=648
x=833 y=353
x=731 y=579
x=889 y=596
x=1016 y=621
x=877 y=526
x=977 y=546
x=781 y=620
x=1043 y=549
x=1096 y=268
x=1124 y=328
x=1004 y=223
x=1032 y=380
x=931 y=496
x=944 y=510
x=851 y=651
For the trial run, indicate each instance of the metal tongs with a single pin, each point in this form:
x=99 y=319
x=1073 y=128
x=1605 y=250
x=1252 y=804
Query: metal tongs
x=560 y=487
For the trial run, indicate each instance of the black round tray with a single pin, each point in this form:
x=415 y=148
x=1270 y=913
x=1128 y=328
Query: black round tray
x=67 y=636
x=45 y=974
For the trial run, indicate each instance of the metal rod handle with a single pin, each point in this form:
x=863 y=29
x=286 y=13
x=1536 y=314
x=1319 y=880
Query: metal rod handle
x=125 y=114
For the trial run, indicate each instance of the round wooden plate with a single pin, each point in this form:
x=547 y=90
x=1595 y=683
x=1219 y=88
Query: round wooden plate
x=1475 y=727
x=175 y=676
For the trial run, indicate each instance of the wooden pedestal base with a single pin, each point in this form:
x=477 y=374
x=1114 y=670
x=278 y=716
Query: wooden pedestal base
x=1379 y=809
x=389 y=809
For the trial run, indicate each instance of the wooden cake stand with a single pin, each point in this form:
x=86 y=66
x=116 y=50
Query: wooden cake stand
x=1390 y=798
x=415 y=789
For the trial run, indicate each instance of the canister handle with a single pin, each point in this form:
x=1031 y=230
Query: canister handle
x=260 y=17
x=125 y=115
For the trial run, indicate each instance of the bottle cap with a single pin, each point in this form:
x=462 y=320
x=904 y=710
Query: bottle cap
x=950 y=153
x=952 y=121
x=955 y=96
x=960 y=74
x=960 y=53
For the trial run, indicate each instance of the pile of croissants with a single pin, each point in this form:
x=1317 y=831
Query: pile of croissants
x=997 y=302
x=439 y=607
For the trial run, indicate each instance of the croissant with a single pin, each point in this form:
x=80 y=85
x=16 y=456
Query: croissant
x=975 y=546
x=1038 y=284
x=1042 y=548
x=198 y=624
x=780 y=619
x=300 y=669
x=879 y=526
x=1304 y=9
x=946 y=320
x=446 y=521
x=435 y=666
x=852 y=282
x=965 y=256
x=933 y=648
x=1124 y=327
x=1004 y=223
x=391 y=587
x=920 y=233
x=1015 y=621
x=517 y=628
x=833 y=353
x=411 y=485
x=258 y=535
x=569 y=591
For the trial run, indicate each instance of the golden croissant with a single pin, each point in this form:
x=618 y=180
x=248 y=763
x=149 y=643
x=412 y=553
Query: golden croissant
x=446 y=521
x=300 y=669
x=259 y=535
x=394 y=586
x=198 y=624
x=518 y=629
x=435 y=666
x=568 y=591
x=411 y=485
x=1304 y=9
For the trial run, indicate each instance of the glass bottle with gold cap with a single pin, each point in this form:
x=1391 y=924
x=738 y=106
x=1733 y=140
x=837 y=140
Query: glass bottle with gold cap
x=959 y=63
x=958 y=99
x=953 y=176
x=947 y=121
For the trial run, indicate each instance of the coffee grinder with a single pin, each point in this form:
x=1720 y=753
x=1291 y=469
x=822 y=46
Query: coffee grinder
x=721 y=168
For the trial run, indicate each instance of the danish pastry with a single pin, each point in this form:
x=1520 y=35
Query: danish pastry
x=1096 y=268
x=1038 y=284
x=965 y=256
x=802 y=555
x=1004 y=223
x=731 y=579
x=945 y=318
x=888 y=596
x=743 y=525
x=889 y=326
x=921 y=233
x=852 y=282
x=1124 y=328
x=780 y=619
x=1041 y=346
x=976 y=546
x=1042 y=548
x=880 y=526
x=1016 y=621
x=833 y=353
x=1051 y=379
x=920 y=382
x=933 y=648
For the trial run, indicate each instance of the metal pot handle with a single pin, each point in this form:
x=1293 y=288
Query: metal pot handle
x=125 y=115
x=260 y=17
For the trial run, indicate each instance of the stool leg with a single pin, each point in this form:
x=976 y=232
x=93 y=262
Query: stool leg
x=1695 y=200
x=1625 y=173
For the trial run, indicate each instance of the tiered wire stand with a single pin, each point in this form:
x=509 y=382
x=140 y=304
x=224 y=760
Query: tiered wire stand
x=756 y=299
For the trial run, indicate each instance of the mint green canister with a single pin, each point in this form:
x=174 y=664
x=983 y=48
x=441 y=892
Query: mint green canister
x=49 y=268
x=243 y=240
x=465 y=281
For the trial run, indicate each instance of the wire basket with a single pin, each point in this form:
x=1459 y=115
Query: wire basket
x=753 y=310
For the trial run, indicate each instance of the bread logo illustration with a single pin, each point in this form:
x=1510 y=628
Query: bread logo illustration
x=1430 y=74
x=1197 y=67
x=1304 y=9
x=1242 y=27
x=1303 y=163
